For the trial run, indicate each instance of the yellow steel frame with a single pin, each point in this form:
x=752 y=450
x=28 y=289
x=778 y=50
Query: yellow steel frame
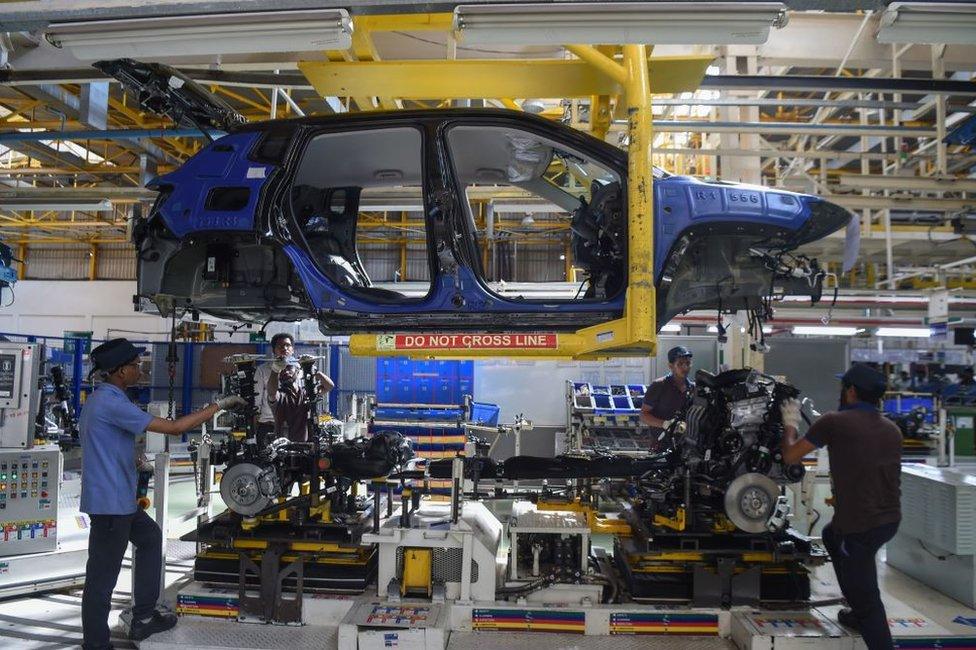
x=597 y=74
x=597 y=522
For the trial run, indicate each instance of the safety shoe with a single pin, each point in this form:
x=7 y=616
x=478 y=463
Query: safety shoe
x=159 y=622
x=847 y=618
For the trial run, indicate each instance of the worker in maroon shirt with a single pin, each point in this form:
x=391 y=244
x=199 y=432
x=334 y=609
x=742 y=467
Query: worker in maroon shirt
x=864 y=448
x=668 y=394
x=289 y=404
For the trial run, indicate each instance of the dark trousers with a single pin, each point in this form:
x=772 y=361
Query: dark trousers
x=107 y=541
x=853 y=557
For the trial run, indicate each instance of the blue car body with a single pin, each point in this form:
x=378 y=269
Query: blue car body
x=224 y=237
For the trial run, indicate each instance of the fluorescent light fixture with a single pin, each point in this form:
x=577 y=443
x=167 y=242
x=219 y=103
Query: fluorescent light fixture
x=671 y=327
x=206 y=34
x=537 y=207
x=818 y=330
x=659 y=23
x=67 y=205
x=905 y=332
x=713 y=329
x=928 y=23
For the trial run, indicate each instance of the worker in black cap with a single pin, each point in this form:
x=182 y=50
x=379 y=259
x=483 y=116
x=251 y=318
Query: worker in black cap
x=108 y=427
x=864 y=449
x=666 y=395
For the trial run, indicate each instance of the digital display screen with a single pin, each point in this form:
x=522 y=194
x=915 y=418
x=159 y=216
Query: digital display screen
x=8 y=371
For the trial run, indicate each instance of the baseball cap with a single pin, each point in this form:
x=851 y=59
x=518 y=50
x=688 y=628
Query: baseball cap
x=678 y=351
x=112 y=354
x=864 y=377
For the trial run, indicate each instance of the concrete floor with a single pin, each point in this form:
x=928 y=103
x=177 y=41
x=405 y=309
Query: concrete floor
x=53 y=620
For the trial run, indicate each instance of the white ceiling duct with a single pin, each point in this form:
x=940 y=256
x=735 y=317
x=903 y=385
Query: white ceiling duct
x=206 y=34
x=661 y=23
x=929 y=23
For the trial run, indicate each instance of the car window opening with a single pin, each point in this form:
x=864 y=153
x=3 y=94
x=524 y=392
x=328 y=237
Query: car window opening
x=548 y=222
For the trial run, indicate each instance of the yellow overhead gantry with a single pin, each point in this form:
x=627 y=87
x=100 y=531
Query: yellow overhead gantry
x=597 y=75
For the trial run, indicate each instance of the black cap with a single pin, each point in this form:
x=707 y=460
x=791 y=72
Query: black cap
x=678 y=351
x=865 y=378
x=113 y=354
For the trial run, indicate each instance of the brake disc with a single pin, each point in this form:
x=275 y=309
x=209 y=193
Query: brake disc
x=750 y=501
x=245 y=490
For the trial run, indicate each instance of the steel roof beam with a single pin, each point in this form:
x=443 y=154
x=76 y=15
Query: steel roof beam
x=918 y=183
x=839 y=84
x=666 y=126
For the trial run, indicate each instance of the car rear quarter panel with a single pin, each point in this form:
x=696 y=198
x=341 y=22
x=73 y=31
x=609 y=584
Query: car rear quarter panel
x=222 y=164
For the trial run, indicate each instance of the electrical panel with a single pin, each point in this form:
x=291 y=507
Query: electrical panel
x=29 y=500
x=20 y=393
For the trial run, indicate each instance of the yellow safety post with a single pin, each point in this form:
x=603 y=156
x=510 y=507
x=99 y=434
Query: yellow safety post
x=641 y=308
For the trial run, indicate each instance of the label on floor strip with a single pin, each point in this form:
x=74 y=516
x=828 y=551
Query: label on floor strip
x=197 y=605
x=953 y=642
x=663 y=623
x=536 y=620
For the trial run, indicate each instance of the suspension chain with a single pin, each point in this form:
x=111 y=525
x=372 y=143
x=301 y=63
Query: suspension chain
x=171 y=359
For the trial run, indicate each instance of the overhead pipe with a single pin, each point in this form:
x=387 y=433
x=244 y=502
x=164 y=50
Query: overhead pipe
x=104 y=134
x=789 y=321
x=670 y=126
x=297 y=81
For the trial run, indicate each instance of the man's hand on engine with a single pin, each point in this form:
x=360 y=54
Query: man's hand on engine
x=790 y=410
x=675 y=425
x=231 y=402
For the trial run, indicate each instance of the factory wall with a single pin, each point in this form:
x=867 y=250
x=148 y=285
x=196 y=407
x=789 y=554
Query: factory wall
x=812 y=365
x=49 y=308
x=528 y=263
x=537 y=389
x=69 y=262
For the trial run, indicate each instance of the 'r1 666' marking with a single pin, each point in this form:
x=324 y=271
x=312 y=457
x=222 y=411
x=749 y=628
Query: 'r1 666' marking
x=218 y=221
x=743 y=197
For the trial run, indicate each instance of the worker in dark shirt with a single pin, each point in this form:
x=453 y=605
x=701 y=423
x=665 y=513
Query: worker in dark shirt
x=287 y=398
x=666 y=395
x=864 y=449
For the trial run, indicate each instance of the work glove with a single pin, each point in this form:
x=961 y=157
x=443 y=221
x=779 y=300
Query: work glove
x=231 y=402
x=278 y=365
x=790 y=411
x=679 y=427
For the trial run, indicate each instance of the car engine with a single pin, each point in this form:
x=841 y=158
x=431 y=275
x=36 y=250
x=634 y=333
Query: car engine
x=261 y=470
x=725 y=468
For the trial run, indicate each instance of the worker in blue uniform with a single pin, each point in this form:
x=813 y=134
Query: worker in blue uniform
x=108 y=426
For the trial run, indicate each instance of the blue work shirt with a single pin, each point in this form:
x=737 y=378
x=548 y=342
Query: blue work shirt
x=108 y=427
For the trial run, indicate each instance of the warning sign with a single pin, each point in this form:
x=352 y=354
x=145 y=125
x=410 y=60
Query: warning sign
x=406 y=342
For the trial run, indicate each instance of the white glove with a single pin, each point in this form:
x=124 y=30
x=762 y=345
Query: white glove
x=679 y=425
x=679 y=428
x=790 y=410
x=231 y=402
x=278 y=365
